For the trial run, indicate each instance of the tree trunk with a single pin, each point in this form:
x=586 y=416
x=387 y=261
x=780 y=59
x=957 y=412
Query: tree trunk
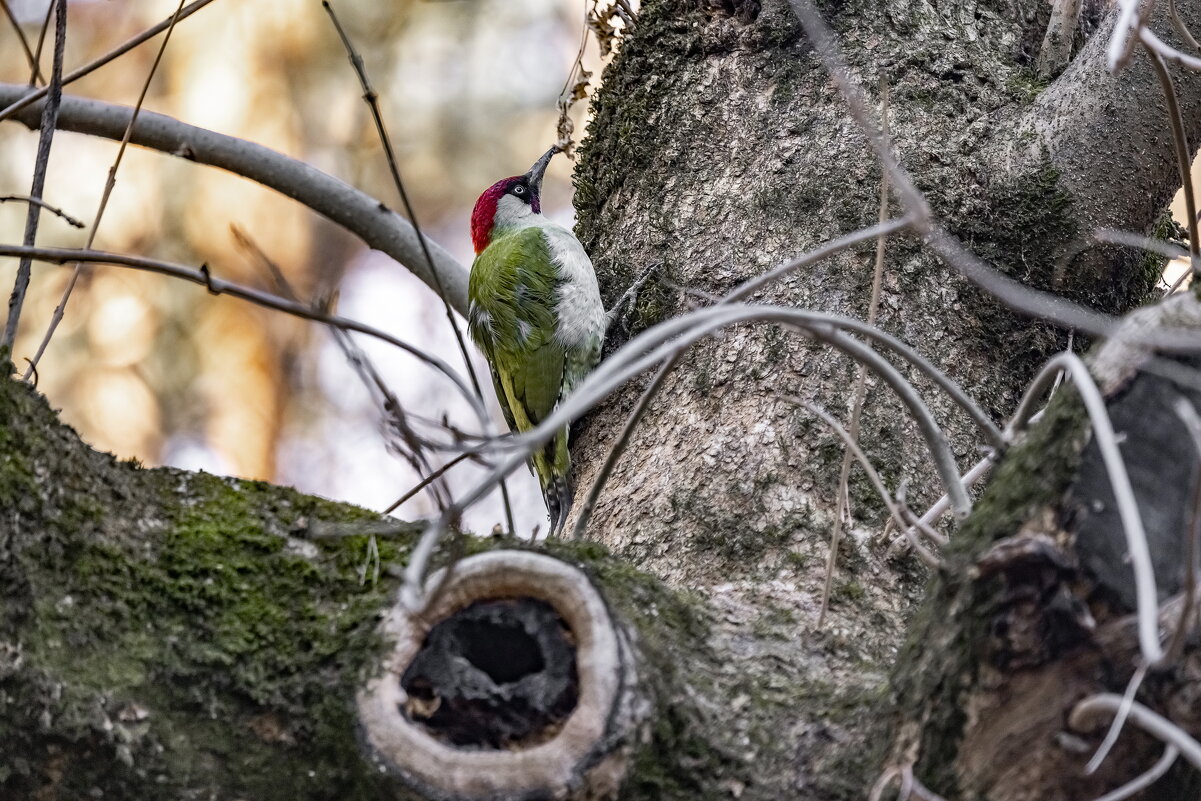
x=167 y=634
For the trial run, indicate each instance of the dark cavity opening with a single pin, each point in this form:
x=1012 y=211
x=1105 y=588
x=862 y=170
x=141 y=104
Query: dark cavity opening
x=497 y=674
x=502 y=650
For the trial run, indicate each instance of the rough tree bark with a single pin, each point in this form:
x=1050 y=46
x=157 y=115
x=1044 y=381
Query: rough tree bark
x=177 y=635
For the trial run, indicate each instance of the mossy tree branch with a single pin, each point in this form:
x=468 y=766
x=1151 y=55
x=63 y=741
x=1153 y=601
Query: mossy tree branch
x=1033 y=610
x=169 y=633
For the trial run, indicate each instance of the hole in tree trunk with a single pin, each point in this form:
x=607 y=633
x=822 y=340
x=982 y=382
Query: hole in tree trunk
x=496 y=674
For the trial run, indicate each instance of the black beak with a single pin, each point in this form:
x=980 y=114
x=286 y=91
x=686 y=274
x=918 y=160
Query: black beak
x=534 y=176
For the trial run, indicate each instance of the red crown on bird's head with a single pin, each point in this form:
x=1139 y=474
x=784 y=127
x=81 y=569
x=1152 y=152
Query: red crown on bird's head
x=484 y=214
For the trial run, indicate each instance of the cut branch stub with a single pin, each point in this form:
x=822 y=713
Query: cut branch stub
x=515 y=684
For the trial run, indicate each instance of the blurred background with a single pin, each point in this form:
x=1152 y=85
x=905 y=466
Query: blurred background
x=158 y=370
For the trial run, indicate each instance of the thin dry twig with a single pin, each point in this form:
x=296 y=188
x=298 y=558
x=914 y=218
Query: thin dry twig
x=35 y=70
x=844 y=475
x=1119 y=720
x=41 y=161
x=1145 y=779
x=896 y=506
x=936 y=510
x=217 y=286
x=1166 y=249
x=912 y=525
x=1088 y=710
x=1180 y=27
x=372 y=99
x=37 y=53
x=109 y=184
x=853 y=448
x=57 y=212
x=1132 y=17
x=1181 y=146
x=1169 y=53
x=392 y=507
x=37 y=94
x=357 y=358
x=575 y=89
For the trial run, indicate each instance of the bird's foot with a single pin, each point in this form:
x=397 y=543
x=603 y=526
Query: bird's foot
x=630 y=296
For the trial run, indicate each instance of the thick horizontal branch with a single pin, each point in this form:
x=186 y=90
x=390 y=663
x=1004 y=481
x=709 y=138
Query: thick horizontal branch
x=356 y=211
x=156 y=619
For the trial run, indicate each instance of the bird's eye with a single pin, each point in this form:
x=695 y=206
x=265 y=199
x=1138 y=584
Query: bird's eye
x=519 y=190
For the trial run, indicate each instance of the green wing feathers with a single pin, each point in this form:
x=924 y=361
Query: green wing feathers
x=512 y=319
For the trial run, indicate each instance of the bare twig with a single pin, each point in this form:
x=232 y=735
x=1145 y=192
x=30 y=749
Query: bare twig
x=1146 y=779
x=890 y=774
x=1119 y=720
x=1087 y=711
x=752 y=285
x=665 y=341
x=852 y=446
x=1181 y=146
x=1132 y=16
x=920 y=790
x=575 y=89
x=843 y=499
x=67 y=218
x=35 y=70
x=426 y=481
x=109 y=184
x=978 y=471
x=1169 y=53
x=45 y=138
x=1165 y=249
x=414 y=446
x=372 y=99
x=896 y=507
x=26 y=97
x=912 y=524
x=217 y=286
x=1180 y=27
x=1192 y=533
x=411 y=446
x=37 y=53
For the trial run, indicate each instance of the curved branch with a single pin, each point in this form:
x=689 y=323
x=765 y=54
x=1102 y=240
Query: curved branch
x=369 y=219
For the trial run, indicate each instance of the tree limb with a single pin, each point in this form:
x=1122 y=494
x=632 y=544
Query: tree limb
x=356 y=211
x=1107 y=137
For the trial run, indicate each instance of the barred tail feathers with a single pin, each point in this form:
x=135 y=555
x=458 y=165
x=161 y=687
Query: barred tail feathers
x=552 y=465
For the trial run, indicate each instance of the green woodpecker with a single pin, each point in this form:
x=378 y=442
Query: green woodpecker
x=535 y=310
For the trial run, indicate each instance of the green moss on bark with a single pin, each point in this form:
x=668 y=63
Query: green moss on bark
x=167 y=637
x=941 y=657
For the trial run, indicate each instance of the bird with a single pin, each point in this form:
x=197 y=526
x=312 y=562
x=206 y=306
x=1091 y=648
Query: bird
x=535 y=310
